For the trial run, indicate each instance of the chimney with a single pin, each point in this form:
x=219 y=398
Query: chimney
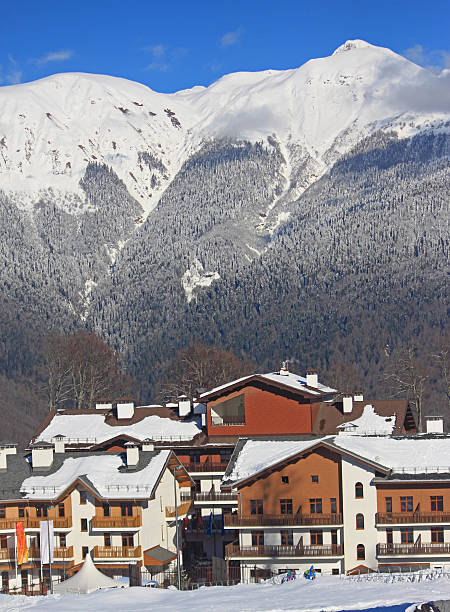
x=42 y=455
x=434 y=424
x=184 y=405
x=3 y=460
x=8 y=449
x=347 y=404
x=284 y=370
x=132 y=454
x=358 y=396
x=125 y=410
x=312 y=378
x=148 y=445
x=60 y=446
x=103 y=406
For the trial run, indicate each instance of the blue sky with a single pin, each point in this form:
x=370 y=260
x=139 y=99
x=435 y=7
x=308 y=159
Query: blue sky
x=173 y=44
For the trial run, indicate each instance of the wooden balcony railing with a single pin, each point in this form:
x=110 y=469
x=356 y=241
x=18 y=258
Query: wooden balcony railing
x=117 y=552
x=65 y=552
x=34 y=523
x=284 y=520
x=413 y=549
x=7 y=553
x=393 y=518
x=183 y=508
x=116 y=522
x=227 y=420
x=207 y=466
x=209 y=496
x=334 y=550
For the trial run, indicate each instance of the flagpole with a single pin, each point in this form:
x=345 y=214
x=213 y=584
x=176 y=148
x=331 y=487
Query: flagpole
x=49 y=553
x=15 y=553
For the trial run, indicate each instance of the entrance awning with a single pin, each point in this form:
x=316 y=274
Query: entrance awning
x=158 y=556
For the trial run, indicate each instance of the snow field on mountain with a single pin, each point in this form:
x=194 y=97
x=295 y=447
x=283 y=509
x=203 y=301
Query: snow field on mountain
x=326 y=594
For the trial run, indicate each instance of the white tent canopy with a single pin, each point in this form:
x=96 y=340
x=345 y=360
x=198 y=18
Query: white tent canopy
x=88 y=579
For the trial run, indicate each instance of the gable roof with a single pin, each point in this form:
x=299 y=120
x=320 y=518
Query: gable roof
x=289 y=382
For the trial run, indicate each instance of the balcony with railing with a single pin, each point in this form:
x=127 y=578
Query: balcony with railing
x=233 y=551
x=207 y=497
x=60 y=553
x=419 y=549
x=227 y=420
x=182 y=509
x=206 y=466
x=7 y=553
x=233 y=521
x=117 y=552
x=413 y=518
x=116 y=522
x=34 y=523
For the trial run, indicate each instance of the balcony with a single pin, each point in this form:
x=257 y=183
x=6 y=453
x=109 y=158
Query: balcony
x=207 y=466
x=34 y=523
x=225 y=421
x=117 y=552
x=60 y=553
x=210 y=497
x=116 y=522
x=388 y=550
x=7 y=553
x=233 y=551
x=232 y=521
x=413 y=518
x=182 y=509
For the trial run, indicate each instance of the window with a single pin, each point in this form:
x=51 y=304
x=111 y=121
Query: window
x=230 y=411
x=437 y=534
x=360 y=521
x=315 y=506
x=437 y=503
x=2 y=511
x=359 y=490
x=62 y=540
x=406 y=504
x=256 y=506
x=388 y=501
x=333 y=505
x=335 y=571
x=286 y=506
x=285 y=479
x=84 y=525
x=107 y=539
x=21 y=512
x=41 y=511
x=360 y=552
x=389 y=536
x=287 y=538
x=316 y=538
x=315 y=478
x=106 y=509
x=334 y=539
x=61 y=511
x=24 y=579
x=3 y=541
x=126 y=508
x=127 y=539
x=84 y=551
x=406 y=535
x=5 y=581
x=257 y=538
x=83 y=497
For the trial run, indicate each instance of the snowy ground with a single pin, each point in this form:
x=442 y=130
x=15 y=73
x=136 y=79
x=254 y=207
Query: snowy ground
x=327 y=593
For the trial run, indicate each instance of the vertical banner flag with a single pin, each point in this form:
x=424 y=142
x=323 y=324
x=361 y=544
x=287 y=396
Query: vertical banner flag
x=21 y=546
x=46 y=537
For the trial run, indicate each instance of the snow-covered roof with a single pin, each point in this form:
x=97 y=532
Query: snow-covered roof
x=405 y=455
x=102 y=472
x=369 y=423
x=257 y=455
x=94 y=428
x=288 y=379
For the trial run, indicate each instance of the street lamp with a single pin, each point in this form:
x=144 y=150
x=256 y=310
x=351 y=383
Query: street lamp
x=178 y=467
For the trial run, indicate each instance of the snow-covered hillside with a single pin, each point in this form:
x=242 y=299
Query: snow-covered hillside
x=52 y=128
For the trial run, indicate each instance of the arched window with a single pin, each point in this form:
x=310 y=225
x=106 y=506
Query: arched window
x=359 y=490
x=360 y=552
x=360 y=521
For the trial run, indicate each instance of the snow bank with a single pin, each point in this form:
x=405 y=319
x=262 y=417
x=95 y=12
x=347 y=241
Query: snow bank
x=369 y=423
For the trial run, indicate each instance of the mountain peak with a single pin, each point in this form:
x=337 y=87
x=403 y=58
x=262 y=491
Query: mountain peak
x=353 y=44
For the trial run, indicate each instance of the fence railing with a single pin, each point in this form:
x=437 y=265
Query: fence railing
x=117 y=552
x=413 y=549
x=207 y=466
x=34 y=523
x=233 y=551
x=227 y=420
x=183 y=508
x=210 y=496
x=116 y=522
x=392 y=518
x=270 y=520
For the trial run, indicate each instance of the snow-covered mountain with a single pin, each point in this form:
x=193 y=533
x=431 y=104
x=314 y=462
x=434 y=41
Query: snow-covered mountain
x=155 y=218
